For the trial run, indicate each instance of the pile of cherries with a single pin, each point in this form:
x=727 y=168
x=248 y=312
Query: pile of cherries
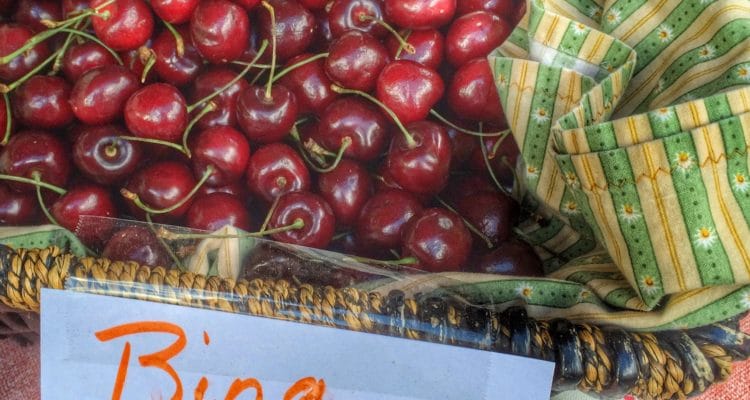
x=371 y=127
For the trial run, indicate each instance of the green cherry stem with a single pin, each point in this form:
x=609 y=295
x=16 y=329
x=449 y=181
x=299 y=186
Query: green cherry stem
x=36 y=181
x=271 y=80
x=81 y=15
x=9 y=88
x=95 y=40
x=164 y=244
x=211 y=106
x=400 y=47
x=148 y=59
x=271 y=210
x=468 y=224
x=68 y=41
x=399 y=262
x=149 y=210
x=40 y=199
x=297 y=224
x=156 y=141
x=489 y=166
x=8 y=122
x=467 y=131
x=403 y=44
x=297 y=65
x=345 y=144
x=178 y=40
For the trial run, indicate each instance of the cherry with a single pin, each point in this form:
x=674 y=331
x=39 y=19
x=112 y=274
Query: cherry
x=463 y=146
x=474 y=35
x=493 y=214
x=103 y=157
x=313 y=4
x=323 y=35
x=220 y=30
x=217 y=210
x=42 y=102
x=472 y=93
x=509 y=10
x=439 y=239
x=358 y=120
x=362 y=15
x=12 y=38
x=32 y=12
x=383 y=217
x=211 y=80
x=70 y=7
x=124 y=24
x=355 y=60
x=467 y=186
x=310 y=84
x=157 y=111
x=295 y=28
x=137 y=244
x=135 y=61
x=428 y=45
x=17 y=208
x=162 y=185
x=99 y=96
x=501 y=158
x=28 y=152
x=174 y=11
x=409 y=89
x=265 y=118
x=512 y=257
x=85 y=200
x=420 y=14
x=81 y=58
x=247 y=4
x=171 y=66
x=225 y=149
x=316 y=215
x=421 y=167
x=276 y=169
x=236 y=189
x=346 y=188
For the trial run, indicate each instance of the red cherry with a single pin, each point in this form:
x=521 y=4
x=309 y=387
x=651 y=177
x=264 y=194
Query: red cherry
x=493 y=214
x=509 y=10
x=32 y=12
x=313 y=211
x=128 y=24
x=133 y=60
x=310 y=85
x=17 y=208
x=512 y=257
x=81 y=58
x=162 y=185
x=217 y=210
x=295 y=28
x=463 y=146
x=103 y=157
x=247 y=4
x=174 y=11
x=468 y=186
x=383 y=217
x=423 y=168
x=70 y=7
x=172 y=68
x=428 y=46
x=157 y=111
x=472 y=93
x=225 y=149
x=474 y=35
x=209 y=82
x=439 y=239
x=137 y=244
x=313 y=4
x=362 y=15
x=236 y=189
x=276 y=169
x=12 y=38
x=42 y=102
x=357 y=119
x=346 y=188
x=35 y=151
x=86 y=200
x=4 y=118
x=355 y=59
x=323 y=35
x=220 y=30
x=409 y=89
x=266 y=119
x=420 y=14
x=99 y=96
x=502 y=159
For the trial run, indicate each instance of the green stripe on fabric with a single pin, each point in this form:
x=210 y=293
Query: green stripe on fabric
x=535 y=12
x=737 y=163
x=574 y=37
x=718 y=107
x=587 y=276
x=735 y=76
x=567 y=169
x=620 y=297
x=664 y=122
x=727 y=307
x=623 y=10
x=556 y=294
x=585 y=7
x=617 y=55
x=520 y=38
x=544 y=233
x=601 y=136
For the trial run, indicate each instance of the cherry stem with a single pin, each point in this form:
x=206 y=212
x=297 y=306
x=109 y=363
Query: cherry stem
x=468 y=224
x=516 y=178
x=36 y=182
x=137 y=200
x=489 y=166
x=298 y=223
x=244 y=64
x=345 y=144
x=271 y=210
x=318 y=156
x=95 y=40
x=400 y=47
x=81 y=15
x=8 y=88
x=271 y=80
x=40 y=199
x=8 y=122
x=211 y=106
x=402 y=42
x=236 y=79
x=148 y=59
x=179 y=42
x=164 y=244
x=467 y=131
x=399 y=262
x=297 y=65
x=409 y=138
x=58 y=60
x=156 y=141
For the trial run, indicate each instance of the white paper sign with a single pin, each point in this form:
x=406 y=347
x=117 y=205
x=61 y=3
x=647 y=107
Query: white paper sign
x=88 y=341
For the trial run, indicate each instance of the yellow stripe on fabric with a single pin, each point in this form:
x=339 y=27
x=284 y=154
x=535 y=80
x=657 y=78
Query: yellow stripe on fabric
x=632 y=130
x=547 y=32
x=511 y=50
x=595 y=47
x=551 y=180
x=642 y=25
x=563 y=240
x=690 y=116
x=565 y=9
x=519 y=86
x=739 y=101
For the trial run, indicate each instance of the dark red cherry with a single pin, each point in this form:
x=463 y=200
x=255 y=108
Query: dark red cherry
x=12 y=38
x=137 y=244
x=323 y=35
x=474 y=35
x=81 y=58
x=310 y=85
x=315 y=213
x=428 y=46
x=157 y=111
x=357 y=119
x=472 y=93
x=85 y=200
x=355 y=60
x=439 y=239
x=469 y=185
x=346 y=188
x=494 y=214
x=214 y=211
x=247 y=4
x=512 y=257
x=362 y=15
x=236 y=189
x=313 y=4
x=463 y=145
x=17 y=208
x=172 y=68
x=295 y=28
x=383 y=217
x=42 y=102
x=208 y=82
x=174 y=11
x=4 y=117
x=502 y=159
x=509 y=10
x=32 y=12
x=162 y=185
x=266 y=119
x=99 y=96
x=423 y=168
x=35 y=151
x=224 y=148
x=70 y=7
x=420 y=14
x=409 y=89
x=127 y=26
x=7 y=7
x=220 y=30
x=103 y=157
x=275 y=169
